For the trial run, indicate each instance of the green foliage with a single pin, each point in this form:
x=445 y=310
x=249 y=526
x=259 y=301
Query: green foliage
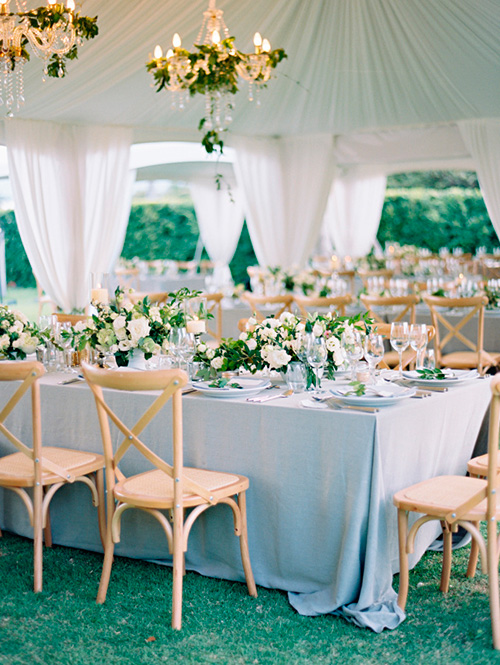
x=433 y=219
x=433 y=180
x=18 y=266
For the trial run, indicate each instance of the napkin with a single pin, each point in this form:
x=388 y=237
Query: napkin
x=310 y=404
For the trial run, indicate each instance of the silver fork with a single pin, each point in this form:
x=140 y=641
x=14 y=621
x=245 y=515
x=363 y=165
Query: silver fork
x=258 y=399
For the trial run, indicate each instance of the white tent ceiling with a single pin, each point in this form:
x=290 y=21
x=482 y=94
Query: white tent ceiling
x=354 y=68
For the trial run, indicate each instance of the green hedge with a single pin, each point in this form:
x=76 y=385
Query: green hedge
x=427 y=218
x=437 y=218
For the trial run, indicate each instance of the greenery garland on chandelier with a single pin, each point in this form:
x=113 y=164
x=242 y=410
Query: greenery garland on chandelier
x=54 y=33
x=213 y=70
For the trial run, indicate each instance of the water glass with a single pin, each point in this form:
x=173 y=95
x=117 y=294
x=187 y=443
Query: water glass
x=429 y=361
x=374 y=352
x=296 y=377
x=418 y=341
x=316 y=356
x=352 y=344
x=400 y=340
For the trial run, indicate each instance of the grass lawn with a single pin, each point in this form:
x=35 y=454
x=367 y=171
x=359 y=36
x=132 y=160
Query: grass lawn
x=221 y=623
x=26 y=300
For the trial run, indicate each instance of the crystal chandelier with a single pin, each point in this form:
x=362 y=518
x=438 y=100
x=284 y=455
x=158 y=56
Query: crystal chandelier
x=213 y=70
x=53 y=32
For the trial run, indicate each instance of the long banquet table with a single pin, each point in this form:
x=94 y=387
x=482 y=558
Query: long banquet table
x=321 y=521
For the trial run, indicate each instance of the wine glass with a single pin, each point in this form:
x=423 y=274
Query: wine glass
x=64 y=340
x=316 y=356
x=418 y=341
x=352 y=343
x=178 y=341
x=374 y=352
x=400 y=340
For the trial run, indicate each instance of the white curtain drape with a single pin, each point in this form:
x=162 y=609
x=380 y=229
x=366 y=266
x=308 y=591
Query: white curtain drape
x=220 y=217
x=285 y=184
x=482 y=138
x=72 y=193
x=354 y=209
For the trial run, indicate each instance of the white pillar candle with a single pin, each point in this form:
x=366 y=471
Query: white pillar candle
x=99 y=295
x=196 y=326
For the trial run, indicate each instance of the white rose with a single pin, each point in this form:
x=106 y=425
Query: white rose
x=20 y=316
x=4 y=342
x=318 y=329
x=121 y=334
x=119 y=322
x=80 y=326
x=251 y=322
x=210 y=353
x=124 y=345
x=138 y=328
x=217 y=363
x=252 y=344
x=17 y=327
x=202 y=348
x=154 y=313
x=278 y=358
x=243 y=336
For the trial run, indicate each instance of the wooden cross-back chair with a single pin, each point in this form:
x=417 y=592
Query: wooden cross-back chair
x=402 y=308
x=385 y=273
x=214 y=307
x=171 y=487
x=155 y=297
x=73 y=319
x=282 y=303
x=409 y=355
x=395 y=308
x=307 y=304
x=44 y=469
x=458 y=501
x=450 y=326
x=128 y=278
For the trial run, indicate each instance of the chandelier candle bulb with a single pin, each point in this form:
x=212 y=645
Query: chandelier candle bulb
x=176 y=41
x=257 y=42
x=215 y=37
x=158 y=53
x=266 y=46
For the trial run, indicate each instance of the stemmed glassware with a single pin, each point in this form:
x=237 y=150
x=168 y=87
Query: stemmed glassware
x=64 y=341
x=400 y=340
x=179 y=344
x=316 y=354
x=418 y=341
x=352 y=343
x=374 y=352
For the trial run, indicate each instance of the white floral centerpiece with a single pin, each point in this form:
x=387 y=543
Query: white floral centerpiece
x=18 y=337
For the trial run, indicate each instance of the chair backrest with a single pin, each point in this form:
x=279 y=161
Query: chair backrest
x=155 y=297
x=73 y=319
x=384 y=329
x=169 y=384
x=310 y=304
x=214 y=307
x=365 y=275
x=128 y=278
x=283 y=303
x=397 y=308
x=450 y=315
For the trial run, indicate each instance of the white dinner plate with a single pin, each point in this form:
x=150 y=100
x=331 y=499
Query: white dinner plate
x=248 y=388
x=452 y=377
x=397 y=393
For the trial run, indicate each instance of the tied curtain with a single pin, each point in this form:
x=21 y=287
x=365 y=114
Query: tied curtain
x=354 y=209
x=482 y=138
x=285 y=184
x=220 y=217
x=72 y=195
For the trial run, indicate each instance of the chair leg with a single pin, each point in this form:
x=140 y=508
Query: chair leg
x=101 y=508
x=47 y=530
x=109 y=548
x=178 y=569
x=446 y=569
x=37 y=538
x=493 y=582
x=245 y=555
x=474 y=555
x=403 y=558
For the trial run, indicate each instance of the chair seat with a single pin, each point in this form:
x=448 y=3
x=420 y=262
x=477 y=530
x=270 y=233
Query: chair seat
x=391 y=358
x=439 y=496
x=16 y=470
x=478 y=466
x=467 y=359
x=156 y=488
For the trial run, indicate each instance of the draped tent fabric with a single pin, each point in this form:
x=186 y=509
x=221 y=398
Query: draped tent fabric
x=72 y=193
x=354 y=208
x=220 y=218
x=482 y=137
x=285 y=184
